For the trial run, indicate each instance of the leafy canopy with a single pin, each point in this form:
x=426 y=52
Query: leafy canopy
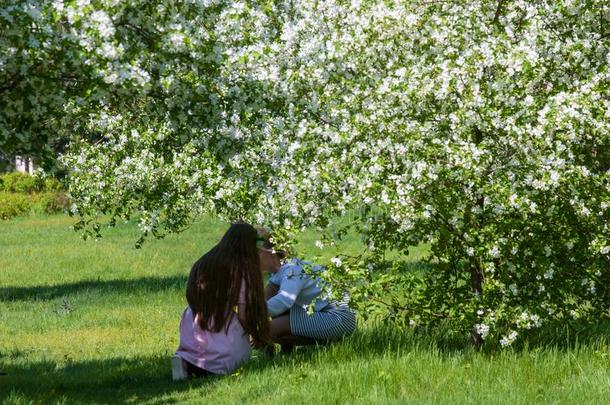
x=481 y=128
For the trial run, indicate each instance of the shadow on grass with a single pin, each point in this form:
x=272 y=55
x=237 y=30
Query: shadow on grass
x=565 y=337
x=571 y=335
x=130 y=286
x=145 y=379
x=148 y=378
x=383 y=339
x=97 y=381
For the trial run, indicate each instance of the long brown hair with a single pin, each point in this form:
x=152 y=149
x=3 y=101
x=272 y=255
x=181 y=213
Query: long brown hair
x=214 y=284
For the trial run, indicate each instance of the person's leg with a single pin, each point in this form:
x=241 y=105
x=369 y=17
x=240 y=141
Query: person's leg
x=195 y=371
x=281 y=333
x=182 y=369
x=179 y=368
x=321 y=327
x=280 y=329
x=280 y=326
x=295 y=340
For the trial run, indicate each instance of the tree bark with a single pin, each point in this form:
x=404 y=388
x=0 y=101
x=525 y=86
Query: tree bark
x=476 y=273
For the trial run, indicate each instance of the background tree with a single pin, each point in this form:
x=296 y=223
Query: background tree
x=42 y=67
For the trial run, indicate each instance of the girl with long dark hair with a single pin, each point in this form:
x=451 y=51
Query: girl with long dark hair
x=226 y=312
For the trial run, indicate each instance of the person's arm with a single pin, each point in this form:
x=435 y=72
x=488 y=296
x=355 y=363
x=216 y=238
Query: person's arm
x=241 y=314
x=289 y=290
x=241 y=305
x=271 y=289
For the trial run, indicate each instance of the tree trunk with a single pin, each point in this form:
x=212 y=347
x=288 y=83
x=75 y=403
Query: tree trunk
x=476 y=283
x=476 y=273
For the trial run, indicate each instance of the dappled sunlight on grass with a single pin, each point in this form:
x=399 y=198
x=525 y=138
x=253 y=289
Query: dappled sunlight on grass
x=98 y=322
x=132 y=286
x=374 y=365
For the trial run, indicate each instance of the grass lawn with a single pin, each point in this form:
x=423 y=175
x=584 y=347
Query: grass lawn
x=84 y=322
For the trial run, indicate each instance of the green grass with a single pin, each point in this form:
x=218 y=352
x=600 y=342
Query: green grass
x=85 y=321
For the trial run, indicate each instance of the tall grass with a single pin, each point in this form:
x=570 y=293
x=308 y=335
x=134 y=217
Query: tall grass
x=84 y=322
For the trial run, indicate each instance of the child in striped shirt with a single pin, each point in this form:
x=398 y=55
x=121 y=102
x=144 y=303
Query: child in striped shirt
x=289 y=293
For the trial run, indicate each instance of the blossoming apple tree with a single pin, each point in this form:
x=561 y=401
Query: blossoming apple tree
x=479 y=128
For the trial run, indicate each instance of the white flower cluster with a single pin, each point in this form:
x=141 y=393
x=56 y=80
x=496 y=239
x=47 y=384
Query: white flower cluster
x=508 y=340
x=482 y=330
x=528 y=321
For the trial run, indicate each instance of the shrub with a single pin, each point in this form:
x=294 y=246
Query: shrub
x=20 y=192
x=21 y=183
x=52 y=202
x=12 y=205
x=52 y=184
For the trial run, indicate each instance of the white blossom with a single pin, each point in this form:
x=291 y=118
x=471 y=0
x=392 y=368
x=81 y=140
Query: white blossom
x=482 y=330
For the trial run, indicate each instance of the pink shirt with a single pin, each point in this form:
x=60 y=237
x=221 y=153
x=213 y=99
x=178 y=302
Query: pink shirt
x=216 y=352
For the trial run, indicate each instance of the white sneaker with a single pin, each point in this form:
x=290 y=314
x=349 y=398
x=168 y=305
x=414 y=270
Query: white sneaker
x=179 y=369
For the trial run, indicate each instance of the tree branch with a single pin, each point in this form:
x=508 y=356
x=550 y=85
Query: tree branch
x=498 y=12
